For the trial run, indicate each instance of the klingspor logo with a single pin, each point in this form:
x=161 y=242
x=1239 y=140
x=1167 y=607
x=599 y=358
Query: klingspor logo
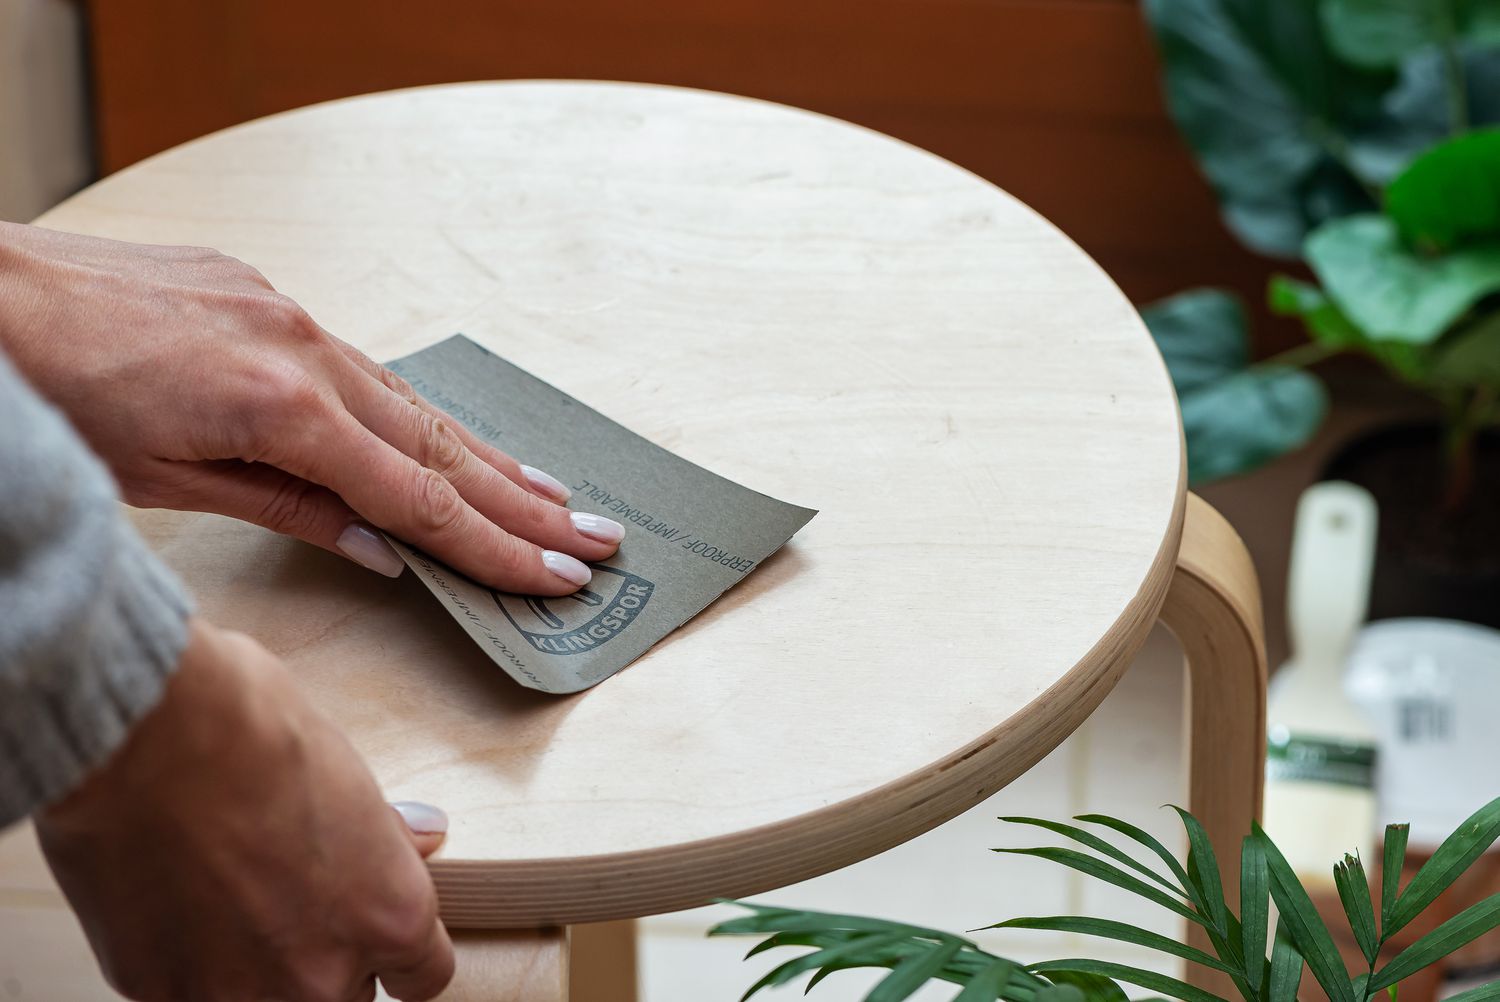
x=579 y=622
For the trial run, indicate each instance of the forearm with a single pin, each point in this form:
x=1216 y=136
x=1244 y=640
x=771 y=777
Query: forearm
x=90 y=622
x=22 y=290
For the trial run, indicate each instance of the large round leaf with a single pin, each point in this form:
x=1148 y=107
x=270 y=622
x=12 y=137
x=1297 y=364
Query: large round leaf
x=1201 y=336
x=1289 y=134
x=1249 y=419
x=1327 y=325
x=1256 y=93
x=1391 y=293
x=1449 y=194
x=1234 y=416
x=1380 y=33
x=1415 y=114
x=1471 y=358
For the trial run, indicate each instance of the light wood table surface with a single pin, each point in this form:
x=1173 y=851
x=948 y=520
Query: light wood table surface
x=811 y=309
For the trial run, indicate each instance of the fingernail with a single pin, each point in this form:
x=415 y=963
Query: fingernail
x=423 y=819
x=605 y=530
x=547 y=484
x=368 y=548
x=570 y=570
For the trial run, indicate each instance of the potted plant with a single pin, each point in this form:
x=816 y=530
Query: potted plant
x=1357 y=137
x=1262 y=966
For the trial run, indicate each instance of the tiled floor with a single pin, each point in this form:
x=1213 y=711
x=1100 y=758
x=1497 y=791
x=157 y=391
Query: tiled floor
x=1125 y=761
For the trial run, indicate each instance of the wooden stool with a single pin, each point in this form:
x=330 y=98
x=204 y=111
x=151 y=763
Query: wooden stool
x=807 y=307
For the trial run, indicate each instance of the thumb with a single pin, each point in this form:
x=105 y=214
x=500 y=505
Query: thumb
x=428 y=825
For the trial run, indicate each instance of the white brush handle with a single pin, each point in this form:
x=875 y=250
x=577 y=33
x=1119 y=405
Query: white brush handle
x=1328 y=593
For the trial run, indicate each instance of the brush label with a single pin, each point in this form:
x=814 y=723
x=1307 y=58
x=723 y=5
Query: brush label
x=1312 y=758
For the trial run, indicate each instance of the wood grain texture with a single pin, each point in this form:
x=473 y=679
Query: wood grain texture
x=515 y=966
x=801 y=305
x=604 y=962
x=1213 y=608
x=1057 y=101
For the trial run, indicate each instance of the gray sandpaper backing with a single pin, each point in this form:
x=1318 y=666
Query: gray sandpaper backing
x=689 y=534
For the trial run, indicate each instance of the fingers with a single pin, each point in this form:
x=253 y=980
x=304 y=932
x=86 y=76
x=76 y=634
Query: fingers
x=283 y=503
x=434 y=440
x=419 y=504
x=363 y=992
x=416 y=962
x=528 y=478
x=417 y=974
x=427 y=825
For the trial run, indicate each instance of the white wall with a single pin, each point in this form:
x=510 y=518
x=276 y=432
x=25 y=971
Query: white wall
x=44 y=134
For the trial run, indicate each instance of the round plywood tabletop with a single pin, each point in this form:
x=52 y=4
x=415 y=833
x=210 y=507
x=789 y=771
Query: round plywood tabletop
x=811 y=309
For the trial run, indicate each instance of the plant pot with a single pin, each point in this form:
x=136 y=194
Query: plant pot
x=1430 y=561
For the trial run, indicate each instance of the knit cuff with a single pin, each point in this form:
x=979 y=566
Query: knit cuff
x=136 y=630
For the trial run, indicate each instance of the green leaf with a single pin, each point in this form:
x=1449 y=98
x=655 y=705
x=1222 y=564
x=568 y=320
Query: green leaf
x=1109 y=873
x=912 y=973
x=1449 y=194
x=1094 y=987
x=1452 y=858
x=1119 y=931
x=1097 y=844
x=1391 y=293
x=1354 y=893
x=1250 y=419
x=1484 y=993
x=1234 y=418
x=862 y=952
x=1392 y=863
x=1379 y=34
x=1462 y=929
x=1140 y=835
x=1255 y=896
x=1469 y=357
x=768 y=918
x=1416 y=114
x=1286 y=967
x=1060 y=993
x=818 y=939
x=1131 y=975
x=988 y=984
x=1327 y=325
x=1203 y=875
x=1304 y=926
x=1257 y=94
x=1203 y=872
x=1201 y=335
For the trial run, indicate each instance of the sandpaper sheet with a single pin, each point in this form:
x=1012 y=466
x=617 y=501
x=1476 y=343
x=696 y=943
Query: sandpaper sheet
x=689 y=534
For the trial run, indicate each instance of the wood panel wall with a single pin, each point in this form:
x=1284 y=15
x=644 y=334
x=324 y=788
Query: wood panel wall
x=1058 y=101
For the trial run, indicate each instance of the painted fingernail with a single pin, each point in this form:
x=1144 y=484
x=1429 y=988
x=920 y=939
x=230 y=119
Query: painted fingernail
x=605 y=530
x=423 y=819
x=566 y=567
x=368 y=548
x=547 y=484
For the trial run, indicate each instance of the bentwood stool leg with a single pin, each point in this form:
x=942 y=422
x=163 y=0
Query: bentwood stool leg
x=513 y=965
x=585 y=963
x=603 y=963
x=1213 y=608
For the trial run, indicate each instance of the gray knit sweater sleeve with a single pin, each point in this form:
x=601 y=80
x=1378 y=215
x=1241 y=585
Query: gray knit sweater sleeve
x=91 y=623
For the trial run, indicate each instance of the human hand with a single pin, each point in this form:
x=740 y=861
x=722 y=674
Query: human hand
x=205 y=389
x=236 y=848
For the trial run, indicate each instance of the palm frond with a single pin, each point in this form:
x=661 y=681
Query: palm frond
x=913 y=954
